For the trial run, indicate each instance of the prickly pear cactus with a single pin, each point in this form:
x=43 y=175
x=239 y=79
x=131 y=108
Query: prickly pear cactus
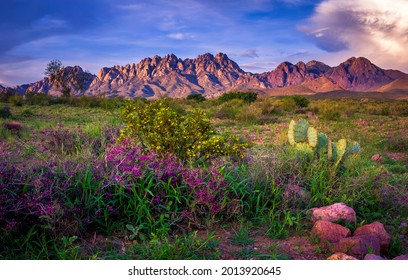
x=341 y=149
x=291 y=133
x=322 y=143
x=330 y=150
x=312 y=136
x=300 y=131
x=355 y=148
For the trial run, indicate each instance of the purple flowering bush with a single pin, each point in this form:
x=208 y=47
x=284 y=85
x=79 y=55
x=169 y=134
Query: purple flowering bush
x=166 y=191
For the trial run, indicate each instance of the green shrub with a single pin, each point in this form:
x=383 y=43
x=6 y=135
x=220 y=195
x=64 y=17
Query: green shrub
x=156 y=125
x=5 y=112
x=196 y=97
x=247 y=96
x=301 y=101
x=16 y=100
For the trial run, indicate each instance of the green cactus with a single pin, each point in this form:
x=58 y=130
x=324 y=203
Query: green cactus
x=300 y=130
x=322 y=143
x=355 y=148
x=306 y=138
x=291 y=132
x=334 y=152
x=312 y=136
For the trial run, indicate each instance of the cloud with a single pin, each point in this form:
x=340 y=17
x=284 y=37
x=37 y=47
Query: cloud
x=250 y=53
x=179 y=36
x=372 y=28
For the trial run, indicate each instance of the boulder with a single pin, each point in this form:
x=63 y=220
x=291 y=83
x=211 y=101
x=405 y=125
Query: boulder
x=377 y=229
x=341 y=256
x=372 y=257
x=13 y=126
x=329 y=231
x=334 y=212
x=358 y=246
x=402 y=257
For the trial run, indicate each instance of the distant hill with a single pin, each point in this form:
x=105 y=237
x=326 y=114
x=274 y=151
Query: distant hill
x=213 y=75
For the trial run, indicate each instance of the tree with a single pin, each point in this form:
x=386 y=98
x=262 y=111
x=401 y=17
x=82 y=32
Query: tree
x=52 y=67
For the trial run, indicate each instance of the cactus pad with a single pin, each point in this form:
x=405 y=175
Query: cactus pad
x=355 y=148
x=300 y=133
x=341 y=149
x=334 y=151
x=312 y=136
x=291 y=132
x=322 y=143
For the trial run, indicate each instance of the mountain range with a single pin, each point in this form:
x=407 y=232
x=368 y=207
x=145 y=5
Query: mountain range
x=213 y=75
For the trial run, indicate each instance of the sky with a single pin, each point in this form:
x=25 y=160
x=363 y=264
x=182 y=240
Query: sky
x=257 y=34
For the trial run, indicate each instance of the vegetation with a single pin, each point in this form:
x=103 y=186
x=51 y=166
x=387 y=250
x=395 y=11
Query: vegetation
x=53 y=67
x=71 y=190
x=247 y=97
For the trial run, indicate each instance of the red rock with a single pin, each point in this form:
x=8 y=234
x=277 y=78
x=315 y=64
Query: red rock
x=14 y=126
x=334 y=212
x=341 y=256
x=377 y=229
x=377 y=158
x=329 y=231
x=372 y=257
x=402 y=257
x=358 y=246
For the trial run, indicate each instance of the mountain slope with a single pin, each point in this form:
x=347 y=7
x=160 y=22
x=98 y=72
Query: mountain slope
x=213 y=75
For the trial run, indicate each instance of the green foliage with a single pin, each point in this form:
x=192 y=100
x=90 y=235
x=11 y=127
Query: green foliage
x=300 y=130
x=247 y=96
x=301 y=101
x=5 y=112
x=156 y=125
x=52 y=67
x=16 y=100
x=196 y=97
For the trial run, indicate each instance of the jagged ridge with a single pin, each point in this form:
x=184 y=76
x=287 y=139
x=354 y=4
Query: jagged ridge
x=213 y=75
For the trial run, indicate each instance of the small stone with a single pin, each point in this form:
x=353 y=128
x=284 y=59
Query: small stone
x=334 y=212
x=329 y=231
x=359 y=246
x=372 y=257
x=402 y=257
x=377 y=229
x=377 y=158
x=341 y=256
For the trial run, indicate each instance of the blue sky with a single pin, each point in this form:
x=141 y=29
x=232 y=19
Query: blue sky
x=257 y=34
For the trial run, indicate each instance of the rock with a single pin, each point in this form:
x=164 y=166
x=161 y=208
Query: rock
x=329 y=231
x=402 y=257
x=334 y=212
x=358 y=246
x=13 y=126
x=377 y=229
x=377 y=158
x=341 y=256
x=372 y=257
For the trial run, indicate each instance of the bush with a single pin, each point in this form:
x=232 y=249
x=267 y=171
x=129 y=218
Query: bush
x=301 y=101
x=158 y=126
x=248 y=96
x=5 y=112
x=196 y=97
x=16 y=100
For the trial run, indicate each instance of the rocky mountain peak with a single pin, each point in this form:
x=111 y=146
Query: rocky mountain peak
x=212 y=76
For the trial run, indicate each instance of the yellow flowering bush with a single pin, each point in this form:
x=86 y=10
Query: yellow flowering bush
x=156 y=125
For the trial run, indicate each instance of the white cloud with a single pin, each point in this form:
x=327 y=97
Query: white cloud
x=375 y=29
x=180 y=36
